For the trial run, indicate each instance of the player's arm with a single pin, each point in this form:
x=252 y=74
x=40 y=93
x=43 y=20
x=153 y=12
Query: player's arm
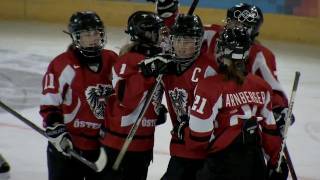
x=268 y=67
x=52 y=97
x=204 y=110
x=271 y=138
x=54 y=85
x=130 y=85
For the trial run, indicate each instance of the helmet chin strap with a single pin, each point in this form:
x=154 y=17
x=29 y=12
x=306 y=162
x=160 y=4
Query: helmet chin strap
x=87 y=59
x=183 y=65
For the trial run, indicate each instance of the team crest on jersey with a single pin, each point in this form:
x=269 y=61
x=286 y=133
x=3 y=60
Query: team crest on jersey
x=96 y=97
x=179 y=99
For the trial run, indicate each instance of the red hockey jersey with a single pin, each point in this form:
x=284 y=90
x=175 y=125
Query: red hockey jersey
x=261 y=62
x=219 y=111
x=122 y=114
x=79 y=94
x=211 y=34
x=179 y=94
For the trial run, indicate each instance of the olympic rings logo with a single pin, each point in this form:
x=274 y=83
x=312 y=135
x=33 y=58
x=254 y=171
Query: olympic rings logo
x=249 y=16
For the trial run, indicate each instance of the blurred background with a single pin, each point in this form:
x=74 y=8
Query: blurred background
x=288 y=20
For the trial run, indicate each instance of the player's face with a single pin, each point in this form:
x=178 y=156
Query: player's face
x=184 y=46
x=91 y=38
x=232 y=24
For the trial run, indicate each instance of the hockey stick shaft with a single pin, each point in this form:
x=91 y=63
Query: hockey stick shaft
x=135 y=126
x=42 y=132
x=193 y=7
x=290 y=164
x=287 y=122
x=23 y=119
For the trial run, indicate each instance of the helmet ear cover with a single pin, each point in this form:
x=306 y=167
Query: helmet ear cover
x=87 y=32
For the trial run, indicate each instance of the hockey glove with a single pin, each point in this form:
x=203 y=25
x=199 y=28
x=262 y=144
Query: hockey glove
x=281 y=115
x=59 y=138
x=180 y=127
x=4 y=166
x=274 y=175
x=154 y=66
x=162 y=115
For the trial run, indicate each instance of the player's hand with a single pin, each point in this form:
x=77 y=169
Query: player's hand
x=274 y=175
x=181 y=126
x=154 y=66
x=59 y=138
x=162 y=115
x=281 y=115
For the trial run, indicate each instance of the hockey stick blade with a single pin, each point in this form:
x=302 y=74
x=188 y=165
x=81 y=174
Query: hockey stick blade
x=96 y=166
x=135 y=126
x=193 y=7
x=287 y=122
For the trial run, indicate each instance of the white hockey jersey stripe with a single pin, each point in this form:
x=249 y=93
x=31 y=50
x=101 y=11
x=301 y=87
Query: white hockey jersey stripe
x=70 y=117
x=266 y=113
x=261 y=64
x=205 y=125
x=115 y=77
x=132 y=117
x=209 y=72
x=66 y=77
x=51 y=99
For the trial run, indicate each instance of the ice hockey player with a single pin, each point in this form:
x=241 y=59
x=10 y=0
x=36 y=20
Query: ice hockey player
x=261 y=60
x=190 y=65
x=4 y=168
x=125 y=105
x=232 y=119
x=75 y=89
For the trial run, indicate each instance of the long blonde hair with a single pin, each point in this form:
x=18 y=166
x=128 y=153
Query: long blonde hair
x=234 y=70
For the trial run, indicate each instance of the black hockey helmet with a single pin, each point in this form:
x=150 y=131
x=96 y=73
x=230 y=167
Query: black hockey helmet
x=233 y=45
x=248 y=15
x=144 y=27
x=86 y=21
x=187 y=30
x=166 y=8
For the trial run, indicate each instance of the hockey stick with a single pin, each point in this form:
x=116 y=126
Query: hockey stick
x=135 y=126
x=148 y=99
x=290 y=164
x=193 y=7
x=96 y=166
x=287 y=123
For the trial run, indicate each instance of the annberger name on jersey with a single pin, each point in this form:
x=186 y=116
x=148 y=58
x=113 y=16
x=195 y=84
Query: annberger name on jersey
x=85 y=124
x=244 y=97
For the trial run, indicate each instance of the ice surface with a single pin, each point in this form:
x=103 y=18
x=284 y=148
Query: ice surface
x=26 y=48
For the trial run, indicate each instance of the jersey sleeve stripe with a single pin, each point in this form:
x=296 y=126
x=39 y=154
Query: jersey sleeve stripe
x=266 y=113
x=51 y=99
